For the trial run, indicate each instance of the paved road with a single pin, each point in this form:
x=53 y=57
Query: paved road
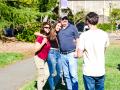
x=16 y=75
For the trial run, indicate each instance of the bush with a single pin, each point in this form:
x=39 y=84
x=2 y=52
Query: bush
x=24 y=15
x=79 y=16
x=19 y=15
x=27 y=33
x=21 y=12
x=106 y=26
x=115 y=14
x=3 y=24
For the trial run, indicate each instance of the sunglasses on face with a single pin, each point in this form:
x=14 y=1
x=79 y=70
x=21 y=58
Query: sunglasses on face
x=47 y=27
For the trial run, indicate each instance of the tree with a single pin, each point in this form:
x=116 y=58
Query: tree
x=46 y=5
x=25 y=3
x=79 y=16
x=114 y=16
x=25 y=12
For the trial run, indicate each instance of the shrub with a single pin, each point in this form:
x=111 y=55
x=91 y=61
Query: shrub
x=106 y=26
x=24 y=15
x=19 y=15
x=79 y=16
x=3 y=24
x=115 y=14
x=27 y=34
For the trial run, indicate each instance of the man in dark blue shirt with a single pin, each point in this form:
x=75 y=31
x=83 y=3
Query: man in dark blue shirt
x=68 y=39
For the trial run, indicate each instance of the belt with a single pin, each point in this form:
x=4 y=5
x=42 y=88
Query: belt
x=54 y=48
x=67 y=52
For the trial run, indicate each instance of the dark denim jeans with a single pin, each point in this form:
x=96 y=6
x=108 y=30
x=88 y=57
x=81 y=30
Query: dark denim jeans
x=69 y=63
x=94 y=83
x=55 y=68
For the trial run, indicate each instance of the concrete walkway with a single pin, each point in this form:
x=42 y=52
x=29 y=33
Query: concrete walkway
x=16 y=75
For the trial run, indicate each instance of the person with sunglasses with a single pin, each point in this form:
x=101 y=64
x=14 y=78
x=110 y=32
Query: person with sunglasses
x=53 y=60
x=42 y=47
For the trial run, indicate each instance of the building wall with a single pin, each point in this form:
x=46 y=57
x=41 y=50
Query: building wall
x=102 y=7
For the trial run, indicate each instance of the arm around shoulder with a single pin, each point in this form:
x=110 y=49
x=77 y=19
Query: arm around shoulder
x=38 y=45
x=39 y=34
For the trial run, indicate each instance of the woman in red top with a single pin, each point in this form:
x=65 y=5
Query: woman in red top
x=53 y=60
x=42 y=47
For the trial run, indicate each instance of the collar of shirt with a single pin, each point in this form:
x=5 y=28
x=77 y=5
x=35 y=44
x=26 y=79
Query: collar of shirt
x=66 y=27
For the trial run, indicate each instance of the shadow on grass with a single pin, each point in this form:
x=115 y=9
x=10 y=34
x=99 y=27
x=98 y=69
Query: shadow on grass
x=59 y=86
x=118 y=67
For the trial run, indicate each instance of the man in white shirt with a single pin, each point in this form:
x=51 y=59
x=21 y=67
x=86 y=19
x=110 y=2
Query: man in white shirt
x=92 y=46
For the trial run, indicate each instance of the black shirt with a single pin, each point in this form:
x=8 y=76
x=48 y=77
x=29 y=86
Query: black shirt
x=54 y=43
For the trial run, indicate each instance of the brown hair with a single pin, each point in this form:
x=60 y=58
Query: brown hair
x=92 y=18
x=42 y=29
x=53 y=33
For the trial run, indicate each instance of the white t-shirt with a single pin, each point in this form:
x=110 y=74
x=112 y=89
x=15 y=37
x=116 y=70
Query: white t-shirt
x=93 y=43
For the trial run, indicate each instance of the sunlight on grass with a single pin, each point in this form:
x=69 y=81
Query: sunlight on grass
x=112 y=73
x=113 y=56
x=29 y=86
x=112 y=79
x=8 y=58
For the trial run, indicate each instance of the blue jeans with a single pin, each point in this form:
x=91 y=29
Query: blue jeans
x=94 y=83
x=55 y=68
x=69 y=63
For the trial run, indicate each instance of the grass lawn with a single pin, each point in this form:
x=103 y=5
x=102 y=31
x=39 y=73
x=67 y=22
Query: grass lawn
x=9 y=58
x=112 y=80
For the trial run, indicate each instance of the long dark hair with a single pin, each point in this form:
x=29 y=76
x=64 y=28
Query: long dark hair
x=53 y=33
x=42 y=31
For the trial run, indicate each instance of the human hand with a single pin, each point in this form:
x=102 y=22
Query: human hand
x=45 y=40
x=75 y=54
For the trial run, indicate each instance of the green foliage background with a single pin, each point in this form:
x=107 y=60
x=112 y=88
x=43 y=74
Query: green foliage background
x=106 y=26
x=25 y=12
x=32 y=12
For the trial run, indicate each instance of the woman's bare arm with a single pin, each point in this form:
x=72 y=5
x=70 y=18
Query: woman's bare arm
x=39 y=34
x=38 y=46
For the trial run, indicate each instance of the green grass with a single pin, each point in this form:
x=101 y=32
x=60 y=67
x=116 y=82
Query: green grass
x=112 y=79
x=112 y=74
x=29 y=86
x=9 y=58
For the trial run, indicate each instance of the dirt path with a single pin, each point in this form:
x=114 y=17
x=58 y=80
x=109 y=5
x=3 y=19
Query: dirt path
x=27 y=49
x=114 y=38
